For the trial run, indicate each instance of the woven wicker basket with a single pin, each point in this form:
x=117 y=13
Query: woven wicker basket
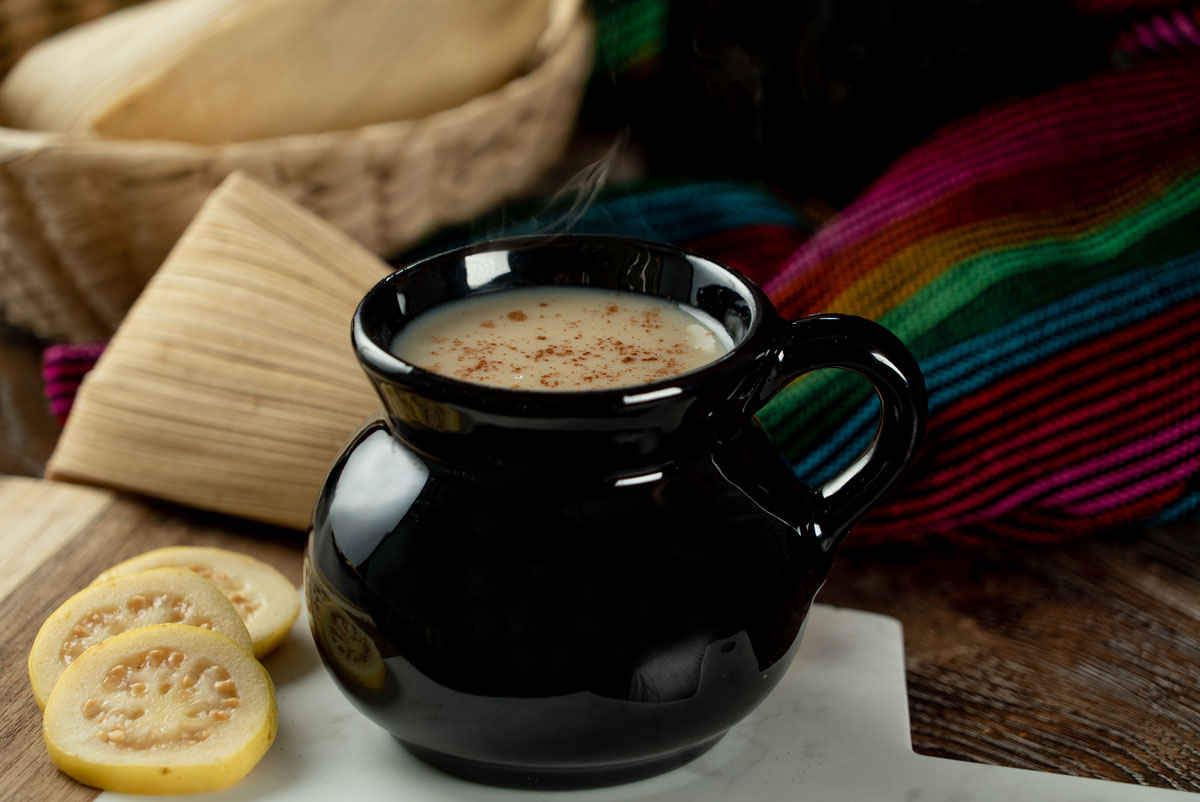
x=84 y=222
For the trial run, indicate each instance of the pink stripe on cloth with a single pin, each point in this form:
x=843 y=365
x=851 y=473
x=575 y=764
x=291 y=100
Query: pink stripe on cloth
x=1118 y=468
x=1165 y=32
x=1069 y=476
x=63 y=369
x=1159 y=33
x=63 y=386
x=1136 y=490
x=56 y=356
x=1186 y=27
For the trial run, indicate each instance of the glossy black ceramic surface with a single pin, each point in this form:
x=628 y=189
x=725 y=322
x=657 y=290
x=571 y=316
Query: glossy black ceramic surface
x=577 y=588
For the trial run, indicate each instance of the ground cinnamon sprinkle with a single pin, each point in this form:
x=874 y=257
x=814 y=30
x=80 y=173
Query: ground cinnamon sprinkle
x=561 y=339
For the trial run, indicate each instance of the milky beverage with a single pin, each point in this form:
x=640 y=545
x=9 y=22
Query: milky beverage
x=561 y=338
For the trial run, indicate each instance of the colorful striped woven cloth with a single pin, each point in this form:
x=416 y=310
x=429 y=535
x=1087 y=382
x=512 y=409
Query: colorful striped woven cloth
x=1042 y=261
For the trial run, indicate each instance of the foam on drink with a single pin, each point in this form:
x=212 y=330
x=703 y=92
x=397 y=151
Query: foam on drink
x=561 y=338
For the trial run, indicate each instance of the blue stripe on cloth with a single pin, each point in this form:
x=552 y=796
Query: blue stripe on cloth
x=1186 y=507
x=668 y=213
x=687 y=212
x=1031 y=338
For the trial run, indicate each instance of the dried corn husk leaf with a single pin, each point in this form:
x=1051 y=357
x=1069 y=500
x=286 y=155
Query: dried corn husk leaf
x=66 y=81
x=211 y=71
x=231 y=385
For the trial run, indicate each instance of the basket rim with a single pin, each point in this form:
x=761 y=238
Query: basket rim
x=573 y=48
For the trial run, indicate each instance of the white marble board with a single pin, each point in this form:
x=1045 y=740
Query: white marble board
x=836 y=728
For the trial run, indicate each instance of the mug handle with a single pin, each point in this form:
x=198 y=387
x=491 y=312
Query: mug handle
x=867 y=348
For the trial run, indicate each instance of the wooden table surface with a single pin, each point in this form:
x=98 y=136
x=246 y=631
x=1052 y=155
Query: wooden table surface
x=1082 y=659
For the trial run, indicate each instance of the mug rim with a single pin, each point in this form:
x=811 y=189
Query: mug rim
x=382 y=363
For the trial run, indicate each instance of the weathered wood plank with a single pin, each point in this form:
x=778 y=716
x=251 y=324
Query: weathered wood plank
x=1082 y=658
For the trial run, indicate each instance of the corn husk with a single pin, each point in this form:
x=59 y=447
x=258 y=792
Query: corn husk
x=212 y=71
x=231 y=385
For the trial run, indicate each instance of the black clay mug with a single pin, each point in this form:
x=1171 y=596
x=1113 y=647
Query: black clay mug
x=577 y=588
